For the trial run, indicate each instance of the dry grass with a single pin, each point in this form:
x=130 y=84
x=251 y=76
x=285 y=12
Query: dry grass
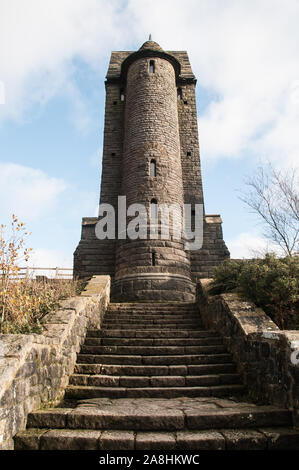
x=25 y=302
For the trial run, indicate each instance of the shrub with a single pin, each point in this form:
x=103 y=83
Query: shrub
x=27 y=301
x=271 y=283
x=24 y=302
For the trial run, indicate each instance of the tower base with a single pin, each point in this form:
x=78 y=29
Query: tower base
x=156 y=287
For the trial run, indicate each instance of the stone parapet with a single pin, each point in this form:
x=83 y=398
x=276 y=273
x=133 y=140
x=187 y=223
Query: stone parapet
x=214 y=250
x=265 y=355
x=35 y=369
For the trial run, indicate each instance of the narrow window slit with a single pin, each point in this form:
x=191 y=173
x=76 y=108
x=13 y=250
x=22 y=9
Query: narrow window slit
x=152 y=66
x=153 y=168
x=154 y=209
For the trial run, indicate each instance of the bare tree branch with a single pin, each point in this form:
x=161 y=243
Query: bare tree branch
x=273 y=196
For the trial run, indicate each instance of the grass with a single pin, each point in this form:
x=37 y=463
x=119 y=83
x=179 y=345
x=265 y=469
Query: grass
x=23 y=303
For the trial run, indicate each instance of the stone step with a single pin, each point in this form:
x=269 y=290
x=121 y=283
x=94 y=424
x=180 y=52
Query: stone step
x=279 y=438
x=150 y=318
x=150 y=333
x=154 y=381
x=153 y=350
x=154 y=360
x=78 y=392
x=161 y=415
x=139 y=326
x=127 y=370
x=149 y=323
x=152 y=341
x=152 y=306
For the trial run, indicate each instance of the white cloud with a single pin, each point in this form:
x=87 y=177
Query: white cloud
x=26 y=191
x=40 y=40
x=2 y=93
x=50 y=259
x=244 y=53
x=248 y=245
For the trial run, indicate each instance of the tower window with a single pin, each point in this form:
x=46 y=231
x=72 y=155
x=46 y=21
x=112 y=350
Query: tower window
x=153 y=168
x=180 y=95
x=152 y=66
x=188 y=154
x=153 y=258
x=154 y=209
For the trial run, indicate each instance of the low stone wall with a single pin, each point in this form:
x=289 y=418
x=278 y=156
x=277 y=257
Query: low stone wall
x=35 y=369
x=267 y=357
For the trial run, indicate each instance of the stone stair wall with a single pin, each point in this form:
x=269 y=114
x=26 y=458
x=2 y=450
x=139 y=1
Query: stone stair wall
x=35 y=369
x=266 y=357
x=154 y=378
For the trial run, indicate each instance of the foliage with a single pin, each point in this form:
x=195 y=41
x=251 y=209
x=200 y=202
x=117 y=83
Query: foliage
x=27 y=301
x=24 y=302
x=271 y=283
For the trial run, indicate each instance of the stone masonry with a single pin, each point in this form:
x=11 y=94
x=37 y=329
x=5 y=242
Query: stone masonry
x=150 y=118
x=152 y=377
x=35 y=368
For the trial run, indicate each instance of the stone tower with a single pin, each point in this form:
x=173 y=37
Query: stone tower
x=150 y=156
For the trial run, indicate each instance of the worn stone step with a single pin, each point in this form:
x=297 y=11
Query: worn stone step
x=153 y=350
x=152 y=341
x=280 y=438
x=146 y=414
x=230 y=439
x=85 y=392
x=154 y=360
x=127 y=370
x=151 y=318
x=145 y=320
x=154 y=381
x=152 y=306
x=150 y=333
x=153 y=326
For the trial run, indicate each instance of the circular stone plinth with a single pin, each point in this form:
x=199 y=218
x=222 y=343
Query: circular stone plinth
x=153 y=287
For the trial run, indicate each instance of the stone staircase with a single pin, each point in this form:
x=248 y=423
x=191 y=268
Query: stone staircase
x=154 y=379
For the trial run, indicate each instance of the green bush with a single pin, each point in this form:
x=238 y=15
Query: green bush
x=271 y=283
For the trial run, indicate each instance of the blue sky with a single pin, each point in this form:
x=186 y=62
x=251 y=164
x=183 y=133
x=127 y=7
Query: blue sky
x=53 y=60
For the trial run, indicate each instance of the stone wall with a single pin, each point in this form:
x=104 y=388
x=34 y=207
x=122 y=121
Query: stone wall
x=93 y=256
x=265 y=355
x=35 y=369
x=213 y=251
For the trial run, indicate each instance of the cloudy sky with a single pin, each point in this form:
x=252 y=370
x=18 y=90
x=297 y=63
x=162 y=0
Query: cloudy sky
x=54 y=56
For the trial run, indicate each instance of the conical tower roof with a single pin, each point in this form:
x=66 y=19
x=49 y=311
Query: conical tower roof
x=151 y=46
x=149 y=49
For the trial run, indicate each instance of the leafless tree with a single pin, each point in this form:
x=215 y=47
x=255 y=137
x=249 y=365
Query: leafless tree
x=273 y=195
